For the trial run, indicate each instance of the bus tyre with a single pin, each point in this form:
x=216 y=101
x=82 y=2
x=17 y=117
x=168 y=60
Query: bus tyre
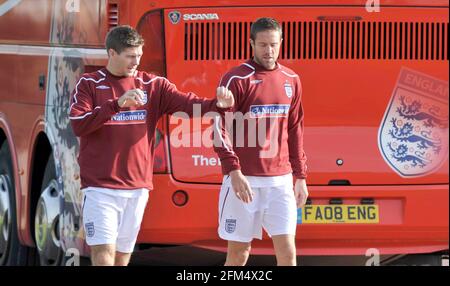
x=46 y=223
x=11 y=251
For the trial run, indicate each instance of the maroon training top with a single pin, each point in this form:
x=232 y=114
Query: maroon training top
x=116 y=144
x=270 y=103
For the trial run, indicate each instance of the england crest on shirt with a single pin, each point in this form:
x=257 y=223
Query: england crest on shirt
x=145 y=99
x=288 y=89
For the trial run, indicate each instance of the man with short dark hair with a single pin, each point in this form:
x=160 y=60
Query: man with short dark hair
x=114 y=111
x=257 y=190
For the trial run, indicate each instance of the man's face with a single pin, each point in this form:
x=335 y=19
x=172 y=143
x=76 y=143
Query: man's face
x=266 y=48
x=125 y=63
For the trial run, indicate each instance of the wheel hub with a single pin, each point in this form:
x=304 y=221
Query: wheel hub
x=5 y=214
x=47 y=223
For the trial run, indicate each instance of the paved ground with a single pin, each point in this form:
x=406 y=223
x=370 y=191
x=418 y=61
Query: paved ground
x=188 y=256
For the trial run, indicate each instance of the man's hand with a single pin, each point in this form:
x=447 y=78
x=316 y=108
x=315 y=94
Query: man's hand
x=301 y=192
x=241 y=186
x=132 y=98
x=225 y=98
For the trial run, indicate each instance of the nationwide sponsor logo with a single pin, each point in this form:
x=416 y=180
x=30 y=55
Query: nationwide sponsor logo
x=269 y=110
x=129 y=117
x=196 y=17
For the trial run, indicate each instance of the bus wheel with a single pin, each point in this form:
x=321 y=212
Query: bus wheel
x=46 y=223
x=5 y=218
x=11 y=251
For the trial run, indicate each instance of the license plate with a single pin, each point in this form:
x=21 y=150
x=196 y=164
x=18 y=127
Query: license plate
x=323 y=214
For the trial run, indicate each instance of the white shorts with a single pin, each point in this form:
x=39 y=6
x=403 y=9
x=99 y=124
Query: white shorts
x=272 y=208
x=110 y=219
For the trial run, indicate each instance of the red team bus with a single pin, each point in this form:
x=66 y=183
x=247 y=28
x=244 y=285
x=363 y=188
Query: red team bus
x=375 y=95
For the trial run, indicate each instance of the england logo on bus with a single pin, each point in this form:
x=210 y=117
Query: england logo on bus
x=413 y=136
x=174 y=17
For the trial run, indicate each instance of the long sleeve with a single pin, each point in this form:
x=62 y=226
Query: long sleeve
x=222 y=143
x=297 y=155
x=173 y=100
x=84 y=116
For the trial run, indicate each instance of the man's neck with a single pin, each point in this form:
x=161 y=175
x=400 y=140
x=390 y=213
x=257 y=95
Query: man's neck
x=270 y=69
x=113 y=71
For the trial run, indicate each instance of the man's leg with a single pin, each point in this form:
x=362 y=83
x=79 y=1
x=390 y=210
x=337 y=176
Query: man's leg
x=285 y=249
x=103 y=255
x=122 y=259
x=129 y=228
x=100 y=216
x=280 y=222
x=237 y=254
x=237 y=225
